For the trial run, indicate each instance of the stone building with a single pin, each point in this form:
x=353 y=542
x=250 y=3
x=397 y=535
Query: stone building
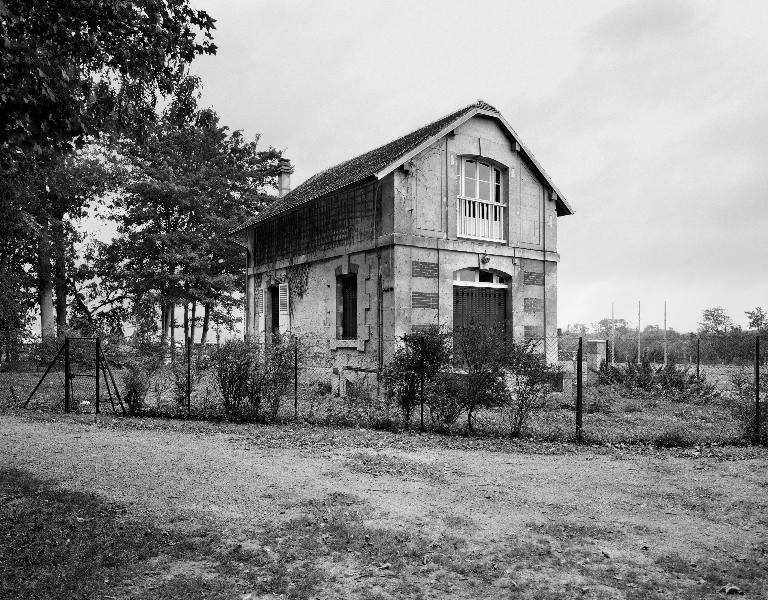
x=453 y=222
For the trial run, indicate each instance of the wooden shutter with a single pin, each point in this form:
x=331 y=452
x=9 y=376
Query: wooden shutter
x=283 y=308
x=260 y=301
x=349 y=307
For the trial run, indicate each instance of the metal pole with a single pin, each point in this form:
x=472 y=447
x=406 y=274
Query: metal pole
x=698 y=358
x=67 y=375
x=613 y=334
x=579 y=429
x=421 y=370
x=757 y=389
x=296 y=379
x=189 y=377
x=638 y=332
x=665 y=333
x=98 y=378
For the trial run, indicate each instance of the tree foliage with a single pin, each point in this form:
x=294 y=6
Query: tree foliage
x=70 y=68
x=193 y=182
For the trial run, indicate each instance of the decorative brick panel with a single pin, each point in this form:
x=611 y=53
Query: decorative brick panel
x=532 y=305
x=424 y=299
x=532 y=278
x=424 y=269
x=534 y=331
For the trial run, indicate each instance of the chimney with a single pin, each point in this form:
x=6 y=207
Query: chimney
x=284 y=170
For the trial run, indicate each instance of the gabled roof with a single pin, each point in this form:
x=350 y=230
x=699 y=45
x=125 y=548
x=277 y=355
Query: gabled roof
x=381 y=161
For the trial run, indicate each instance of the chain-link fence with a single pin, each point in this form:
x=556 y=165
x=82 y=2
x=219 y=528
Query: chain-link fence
x=312 y=379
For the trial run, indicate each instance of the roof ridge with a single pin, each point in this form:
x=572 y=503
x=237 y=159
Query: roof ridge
x=397 y=139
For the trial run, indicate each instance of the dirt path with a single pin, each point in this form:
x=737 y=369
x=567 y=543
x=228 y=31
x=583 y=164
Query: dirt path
x=633 y=507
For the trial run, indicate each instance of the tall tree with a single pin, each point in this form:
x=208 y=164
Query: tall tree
x=715 y=320
x=72 y=69
x=194 y=182
x=758 y=319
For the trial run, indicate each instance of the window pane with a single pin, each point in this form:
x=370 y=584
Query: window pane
x=470 y=188
x=497 y=176
x=486 y=277
x=485 y=190
x=485 y=172
x=349 y=307
x=470 y=169
x=497 y=192
x=465 y=275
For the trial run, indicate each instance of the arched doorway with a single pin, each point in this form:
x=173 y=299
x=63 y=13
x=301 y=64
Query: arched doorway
x=480 y=297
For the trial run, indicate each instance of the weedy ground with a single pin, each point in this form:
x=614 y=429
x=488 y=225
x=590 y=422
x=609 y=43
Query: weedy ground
x=129 y=508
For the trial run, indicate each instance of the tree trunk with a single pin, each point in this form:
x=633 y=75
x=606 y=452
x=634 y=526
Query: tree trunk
x=192 y=321
x=45 y=282
x=163 y=324
x=186 y=323
x=60 y=274
x=206 y=323
x=173 y=333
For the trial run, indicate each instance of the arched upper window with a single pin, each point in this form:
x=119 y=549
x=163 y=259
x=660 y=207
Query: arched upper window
x=480 y=180
x=480 y=207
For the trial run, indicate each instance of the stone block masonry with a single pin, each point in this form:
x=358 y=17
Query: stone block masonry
x=531 y=278
x=532 y=305
x=424 y=269
x=424 y=299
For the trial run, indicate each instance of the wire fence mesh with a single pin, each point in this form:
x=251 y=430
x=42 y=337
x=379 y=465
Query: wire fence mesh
x=340 y=382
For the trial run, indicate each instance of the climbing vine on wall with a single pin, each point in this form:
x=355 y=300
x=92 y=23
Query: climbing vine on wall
x=297 y=277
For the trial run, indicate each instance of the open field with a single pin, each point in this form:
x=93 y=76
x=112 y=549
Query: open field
x=148 y=508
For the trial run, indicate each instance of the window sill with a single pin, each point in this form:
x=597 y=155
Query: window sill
x=461 y=236
x=357 y=344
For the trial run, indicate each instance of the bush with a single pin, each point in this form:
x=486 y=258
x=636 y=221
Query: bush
x=422 y=355
x=678 y=384
x=743 y=403
x=531 y=376
x=446 y=400
x=136 y=382
x=232 y=367
x=253 y=379
x=481 y=352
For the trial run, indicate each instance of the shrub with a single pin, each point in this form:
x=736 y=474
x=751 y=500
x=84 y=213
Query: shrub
x=231 y=365
x=420 y=357
x=679 y=384
x=446 y=400
x=531 y=376
x=136 y=383
x=269 y=373
x=743 y=403
x=481 y=353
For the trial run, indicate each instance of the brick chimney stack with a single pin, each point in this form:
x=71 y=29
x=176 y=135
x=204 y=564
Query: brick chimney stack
x=284 y=170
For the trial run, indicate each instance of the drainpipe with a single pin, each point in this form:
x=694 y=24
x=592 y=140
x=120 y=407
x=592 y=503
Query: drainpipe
x=544 y=264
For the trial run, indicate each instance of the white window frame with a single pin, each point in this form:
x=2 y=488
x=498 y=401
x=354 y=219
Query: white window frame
x=485 y=226
x=499 y=282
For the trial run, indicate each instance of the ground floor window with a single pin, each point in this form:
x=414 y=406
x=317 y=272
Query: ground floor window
x=346 y=307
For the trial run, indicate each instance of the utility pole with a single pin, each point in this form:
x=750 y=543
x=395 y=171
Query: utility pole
x=613 y=334
x=665 y=333
x=638 y=332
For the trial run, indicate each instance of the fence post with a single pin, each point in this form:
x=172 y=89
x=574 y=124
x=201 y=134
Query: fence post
x=698 y=359
x=67 y=375
x=757 y=389
x=98 y=353
x=421 y=371
x=607 y=352
x=189 y=377
x=296 y=379
x=579 y=382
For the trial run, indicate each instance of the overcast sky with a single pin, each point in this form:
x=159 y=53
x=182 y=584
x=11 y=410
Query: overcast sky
x=650 y=116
